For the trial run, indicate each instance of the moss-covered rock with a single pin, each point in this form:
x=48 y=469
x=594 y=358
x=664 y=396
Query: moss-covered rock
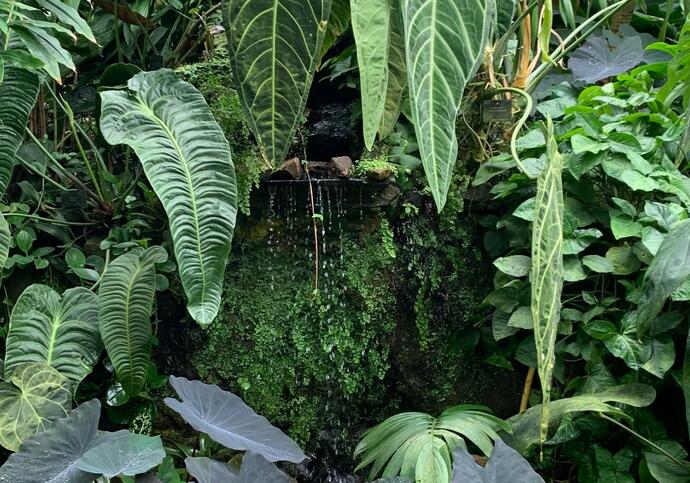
x=306 y=359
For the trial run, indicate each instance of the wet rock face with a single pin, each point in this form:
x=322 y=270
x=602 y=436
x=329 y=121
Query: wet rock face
x=334 y=128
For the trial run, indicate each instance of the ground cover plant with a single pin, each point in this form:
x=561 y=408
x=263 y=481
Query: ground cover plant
x=495 y=290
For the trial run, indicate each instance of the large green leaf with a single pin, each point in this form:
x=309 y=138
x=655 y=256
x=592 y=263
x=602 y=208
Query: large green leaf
x=187 y=160
x=397 y=74
x=34 y=397
x=668 y=270
x=274 y=46
x=58 y=330
x=505 y=466
x=45 y=47
x=526 y=427
x=18 y=92
x=547 y=266
x=371 y=27
x=338 y=22
x=51 y=456
x=229 y=421
x=68 y=15
x=419 y=446
x=5 y=239
x=444 y=41
x=125 y=300
x=123 y=453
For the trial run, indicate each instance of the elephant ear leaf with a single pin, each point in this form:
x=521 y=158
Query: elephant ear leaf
x=274 y=46
x=125 y=300
x=51 y=456
x=187 y=161
x=18 y=92
x=34 y=397
x=444 y=41
x=58 y=330
x=229 y=421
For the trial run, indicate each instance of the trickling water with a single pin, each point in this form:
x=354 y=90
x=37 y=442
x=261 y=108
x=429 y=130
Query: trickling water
x=271 y=232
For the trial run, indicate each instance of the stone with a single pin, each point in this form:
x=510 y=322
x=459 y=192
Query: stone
x=292 y=169
x=341 y=166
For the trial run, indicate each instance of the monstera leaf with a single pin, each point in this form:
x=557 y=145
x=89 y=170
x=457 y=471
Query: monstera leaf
x=444 y=41
x=229 y=421
x=51 y=456
x=547 y=266
x=274 y=46
x=125 y=302
x=34 y=397
x=18 y=92
x=595 y=61
x=526 y=428
x=187 y=160
x=419 y=446
x=60 y=331
x=123 y=453
x=505 y=465
x=670 y=267
x=371 y=27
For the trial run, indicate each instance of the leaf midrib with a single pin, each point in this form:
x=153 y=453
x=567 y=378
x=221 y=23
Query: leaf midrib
x=192 y=195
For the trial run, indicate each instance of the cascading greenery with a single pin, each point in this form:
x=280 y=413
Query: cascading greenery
x=187 y=161
x=547 y=268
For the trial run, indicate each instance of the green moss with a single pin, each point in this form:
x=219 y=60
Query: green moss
x=306 y=360
x=214 y=80
x=376 y=167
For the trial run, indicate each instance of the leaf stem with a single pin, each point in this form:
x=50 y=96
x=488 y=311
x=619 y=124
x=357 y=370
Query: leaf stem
x=661 y=450
x=516 y=130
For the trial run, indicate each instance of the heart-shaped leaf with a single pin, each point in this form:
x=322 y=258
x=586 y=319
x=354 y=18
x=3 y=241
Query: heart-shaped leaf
x=51 y=456
x=206 y=470
x=58 y=330
x=504 y=465
x=595 y=60
x=34 y=397
x=229 y=421
x=123 y=453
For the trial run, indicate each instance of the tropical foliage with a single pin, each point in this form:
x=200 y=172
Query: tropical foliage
x=564 y=126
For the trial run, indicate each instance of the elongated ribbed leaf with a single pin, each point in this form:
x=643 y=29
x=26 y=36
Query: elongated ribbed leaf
x=668 y=270
x=229 y=421
x=5 y=238
x=526 y=427
x=51 y=456
x=371 y=27
x=58 y=330
x=547 y=267
x=68 y=15
x=34 y=397
x=397 y=74
x=274 y=46
x=45 y=47
x=444 y=42
x=338 y=22
x=505 y=10
x=18 y=92
x=125 y=300
x=187 y=160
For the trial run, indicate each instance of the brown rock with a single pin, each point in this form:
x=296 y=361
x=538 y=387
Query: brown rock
x=341 y=166
x=293 y=167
